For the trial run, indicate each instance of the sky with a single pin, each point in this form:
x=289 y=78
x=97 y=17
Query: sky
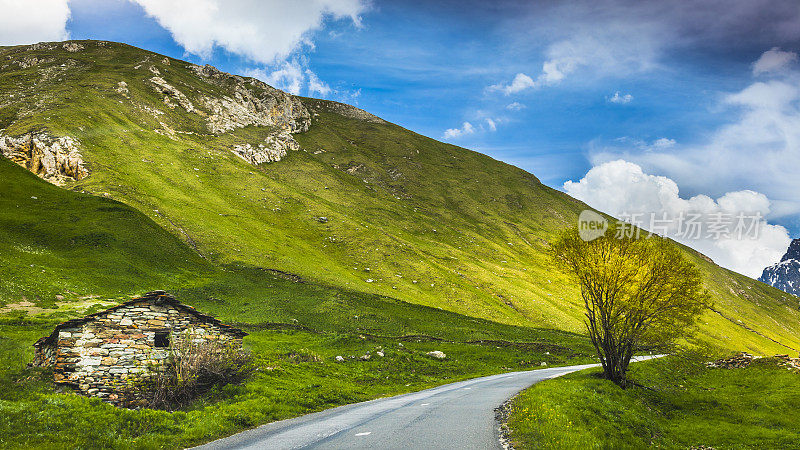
x=638 y=108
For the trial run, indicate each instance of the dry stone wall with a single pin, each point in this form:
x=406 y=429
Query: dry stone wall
x=101 y=356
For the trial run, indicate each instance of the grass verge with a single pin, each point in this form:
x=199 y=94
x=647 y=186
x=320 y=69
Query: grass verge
x=686 y=406
x=296 y=374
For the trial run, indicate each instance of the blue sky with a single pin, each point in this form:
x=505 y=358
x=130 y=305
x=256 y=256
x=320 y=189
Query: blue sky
x=702 y=94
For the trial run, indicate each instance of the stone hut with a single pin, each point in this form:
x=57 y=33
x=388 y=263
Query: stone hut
x=96 y=354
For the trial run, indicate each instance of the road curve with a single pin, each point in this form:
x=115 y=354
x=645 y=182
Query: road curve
x=457 y=415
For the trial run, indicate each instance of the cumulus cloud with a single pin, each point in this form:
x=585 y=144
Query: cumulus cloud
x=621 y=99
x=520 y=83
x=515 y=106
x=264 y=31
x=466 y=128
x=759 y=148
x=27 y=22
x=482 y=123
x=624 y=190
x=773 y=60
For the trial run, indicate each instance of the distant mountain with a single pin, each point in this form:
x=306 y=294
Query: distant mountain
x=785 y=275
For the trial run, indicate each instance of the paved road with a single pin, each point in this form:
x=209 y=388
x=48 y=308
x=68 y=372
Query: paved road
x=458 y=416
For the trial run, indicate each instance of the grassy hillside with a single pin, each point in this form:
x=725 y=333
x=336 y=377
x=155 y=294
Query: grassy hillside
x=297 y=328
x=686 y=406
x=406 y=217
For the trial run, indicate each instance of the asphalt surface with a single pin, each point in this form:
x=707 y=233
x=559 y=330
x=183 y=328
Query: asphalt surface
x=454 y=416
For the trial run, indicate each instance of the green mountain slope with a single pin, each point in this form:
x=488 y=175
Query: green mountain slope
x=364 y=204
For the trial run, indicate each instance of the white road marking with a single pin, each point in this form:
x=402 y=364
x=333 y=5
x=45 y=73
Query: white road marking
x=364 y=433
x=425 y=404
x=466 y=389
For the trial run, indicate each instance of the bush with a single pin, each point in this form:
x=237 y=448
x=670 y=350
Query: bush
x=191 y=370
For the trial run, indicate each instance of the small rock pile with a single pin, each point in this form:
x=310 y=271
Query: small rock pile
x=743 y=359
x=792 y=364
x=738 y=361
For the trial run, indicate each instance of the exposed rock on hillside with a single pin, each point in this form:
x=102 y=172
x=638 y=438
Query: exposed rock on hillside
x=73 y=47
x=253 y=103
x=122 y=88
x=171 y=93
x=273 y=149
x=785 y=275
x=54 y=159
x=743 y=359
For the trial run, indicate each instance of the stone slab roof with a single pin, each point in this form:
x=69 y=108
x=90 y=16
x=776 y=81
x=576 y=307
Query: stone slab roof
x=157 y=298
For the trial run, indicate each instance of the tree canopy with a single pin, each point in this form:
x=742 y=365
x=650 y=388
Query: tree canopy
x=639 y=293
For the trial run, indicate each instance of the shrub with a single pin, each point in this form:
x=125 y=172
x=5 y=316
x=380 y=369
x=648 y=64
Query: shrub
x=191 y=370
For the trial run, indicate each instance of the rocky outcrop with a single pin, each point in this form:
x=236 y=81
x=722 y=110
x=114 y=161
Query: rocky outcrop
x=73 y=47
x=273 y=149
x=171 y=93
x=244 y=108
x=55 y=159
x=122 y=88
x=252 y=103
x=30 y=61
x=785 y=275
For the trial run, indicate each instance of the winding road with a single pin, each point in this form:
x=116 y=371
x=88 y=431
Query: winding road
x=453 y=416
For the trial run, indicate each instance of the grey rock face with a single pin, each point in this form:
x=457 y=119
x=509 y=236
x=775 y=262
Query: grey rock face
x=273 y=149
x=73 y=47
x=785 y=275
x=171 y=93
x=255 y=103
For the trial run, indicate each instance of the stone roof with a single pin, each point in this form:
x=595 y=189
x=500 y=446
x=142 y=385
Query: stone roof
x=157 y=298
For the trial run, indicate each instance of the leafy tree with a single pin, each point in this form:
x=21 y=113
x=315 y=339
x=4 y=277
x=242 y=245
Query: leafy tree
x=639 y=293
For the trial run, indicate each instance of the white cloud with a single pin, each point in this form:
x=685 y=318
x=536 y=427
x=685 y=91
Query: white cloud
x=622 y=99
x=264 y=31
x=624 y=190
x=294 y=77
x=773 y=60
x=520 y=83
x=466 y=128
x=758 y=149
x=662 y=143
x=605 y=52
x=317 y=86
x=27 y=22
x=515 y=106
x=658 y=144
x=482 y=123
x=288 y=76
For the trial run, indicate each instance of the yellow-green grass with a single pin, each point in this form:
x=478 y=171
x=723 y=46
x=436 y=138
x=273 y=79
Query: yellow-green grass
x=686 y=406
x=427 y=222
x=297 y=374
x=73 y=242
